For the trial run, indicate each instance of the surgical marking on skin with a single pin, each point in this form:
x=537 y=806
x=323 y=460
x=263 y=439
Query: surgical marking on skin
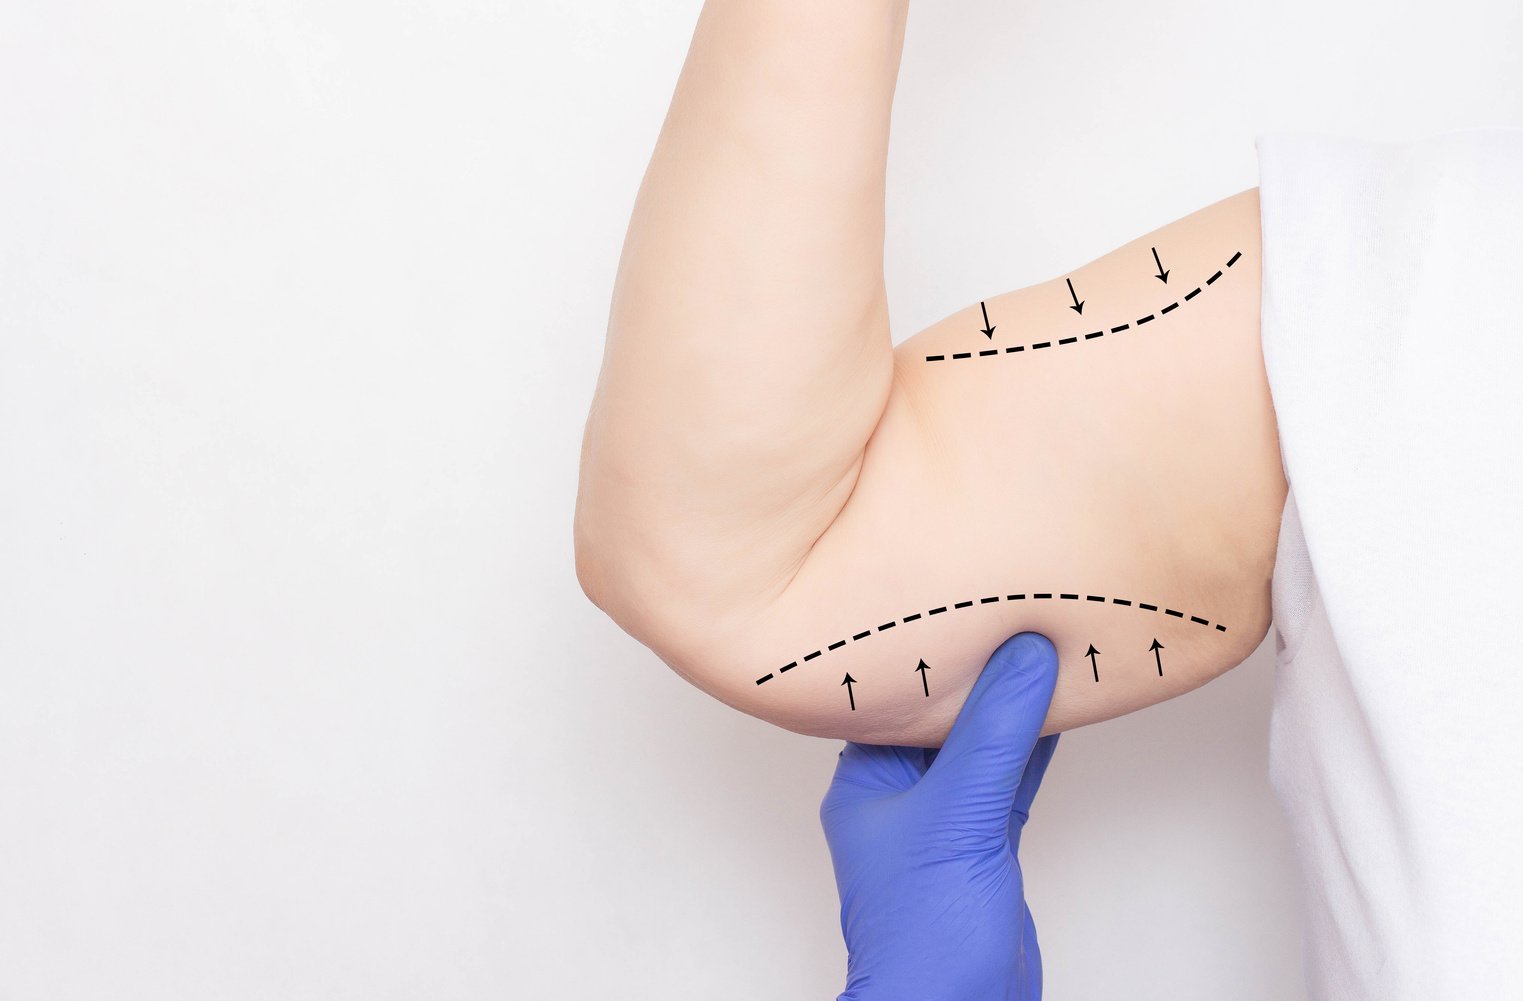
x=992 y=599
x=1098 y=333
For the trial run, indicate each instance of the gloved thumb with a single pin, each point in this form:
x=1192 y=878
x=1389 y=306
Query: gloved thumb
x=980 y=766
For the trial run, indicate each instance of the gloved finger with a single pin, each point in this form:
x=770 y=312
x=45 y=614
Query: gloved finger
x=879 y=767
x=984 y=758
x=1031 y=779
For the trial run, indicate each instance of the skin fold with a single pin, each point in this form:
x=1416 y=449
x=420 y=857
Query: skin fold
x=764 y=475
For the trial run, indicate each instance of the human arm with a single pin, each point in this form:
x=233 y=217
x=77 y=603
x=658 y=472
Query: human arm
x=738 y=513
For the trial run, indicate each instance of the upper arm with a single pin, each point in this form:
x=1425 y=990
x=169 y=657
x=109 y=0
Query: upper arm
x=1122 y=460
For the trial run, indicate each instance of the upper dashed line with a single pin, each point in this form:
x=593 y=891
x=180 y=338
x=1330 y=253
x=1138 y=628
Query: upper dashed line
x=1040 y=596
x=1018 y=348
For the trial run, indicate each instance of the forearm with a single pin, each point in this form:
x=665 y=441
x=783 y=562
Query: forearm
x=748 y=326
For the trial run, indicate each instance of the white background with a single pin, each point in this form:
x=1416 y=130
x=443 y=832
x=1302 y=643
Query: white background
x=300 y=310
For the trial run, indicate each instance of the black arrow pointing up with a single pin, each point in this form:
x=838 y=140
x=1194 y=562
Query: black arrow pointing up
x=1162 y=275
x=1156 y=655
x=988 y=330
x=848 y=682
x=1091 y=654
x=1077 y=307
x=924 y=667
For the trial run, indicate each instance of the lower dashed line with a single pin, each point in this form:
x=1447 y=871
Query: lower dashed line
x=992 y=599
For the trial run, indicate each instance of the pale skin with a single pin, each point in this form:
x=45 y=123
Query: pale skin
x=765 y=475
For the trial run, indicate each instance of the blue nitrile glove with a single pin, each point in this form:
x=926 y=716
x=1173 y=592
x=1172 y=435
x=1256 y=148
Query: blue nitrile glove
x=924 y=845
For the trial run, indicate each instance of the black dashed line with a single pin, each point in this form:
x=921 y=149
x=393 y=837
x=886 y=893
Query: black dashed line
x=1016 y=348
x=991 y=599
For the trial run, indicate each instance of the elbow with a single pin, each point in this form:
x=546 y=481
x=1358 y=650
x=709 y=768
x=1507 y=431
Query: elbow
x=631 y=585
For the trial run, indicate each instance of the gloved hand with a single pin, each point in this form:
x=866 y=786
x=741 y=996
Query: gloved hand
x=924 y=845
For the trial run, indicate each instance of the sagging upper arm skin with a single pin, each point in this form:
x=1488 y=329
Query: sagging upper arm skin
x=1110 y=478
